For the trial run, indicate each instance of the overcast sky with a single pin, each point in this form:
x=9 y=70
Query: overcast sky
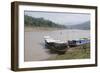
x=63 y=18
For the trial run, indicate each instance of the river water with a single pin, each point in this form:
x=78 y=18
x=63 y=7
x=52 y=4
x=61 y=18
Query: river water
x=34 y=42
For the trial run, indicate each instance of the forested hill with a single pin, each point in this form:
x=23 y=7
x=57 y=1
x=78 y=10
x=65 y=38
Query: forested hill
x=40 y=22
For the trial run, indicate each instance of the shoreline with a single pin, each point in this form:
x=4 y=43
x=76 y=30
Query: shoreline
x=29 y=29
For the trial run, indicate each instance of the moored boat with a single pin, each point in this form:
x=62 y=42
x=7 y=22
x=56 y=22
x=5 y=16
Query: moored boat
x=55 y=45
x=62 y=46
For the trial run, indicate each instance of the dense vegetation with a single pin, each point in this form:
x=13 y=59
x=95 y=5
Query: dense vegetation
x=80 y=52
x=40 y=22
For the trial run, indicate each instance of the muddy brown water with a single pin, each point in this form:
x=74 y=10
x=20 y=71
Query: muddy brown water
x=34 y=42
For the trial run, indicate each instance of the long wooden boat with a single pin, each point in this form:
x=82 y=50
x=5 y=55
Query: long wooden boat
x=61 y=46
x=56 y=45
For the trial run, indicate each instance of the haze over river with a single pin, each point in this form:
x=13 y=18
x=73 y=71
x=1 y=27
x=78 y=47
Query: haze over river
x=35 y=46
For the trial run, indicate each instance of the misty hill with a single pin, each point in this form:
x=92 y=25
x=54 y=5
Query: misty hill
x=83 y=26
x=40 y=22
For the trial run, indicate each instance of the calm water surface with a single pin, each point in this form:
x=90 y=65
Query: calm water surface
x=34 y=42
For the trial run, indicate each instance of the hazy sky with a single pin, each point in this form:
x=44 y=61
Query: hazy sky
x=63 y=18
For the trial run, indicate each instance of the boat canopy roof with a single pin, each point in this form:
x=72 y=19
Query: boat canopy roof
x=49 y=39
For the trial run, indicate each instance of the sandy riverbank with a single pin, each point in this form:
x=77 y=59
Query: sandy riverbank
x=29 y=29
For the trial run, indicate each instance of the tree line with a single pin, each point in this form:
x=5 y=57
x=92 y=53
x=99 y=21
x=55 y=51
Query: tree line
x=40 y=22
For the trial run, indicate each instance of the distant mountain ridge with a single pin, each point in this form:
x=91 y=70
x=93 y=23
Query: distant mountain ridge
x=83 y=26
x=41 y=22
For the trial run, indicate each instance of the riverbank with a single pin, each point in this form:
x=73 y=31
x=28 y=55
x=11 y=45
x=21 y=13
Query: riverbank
x=29 y=29
x=79 y=52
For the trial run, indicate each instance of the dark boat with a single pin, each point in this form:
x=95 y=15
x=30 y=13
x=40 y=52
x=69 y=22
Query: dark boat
x=74 y=43
x=56 y=45
x=61 y=47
